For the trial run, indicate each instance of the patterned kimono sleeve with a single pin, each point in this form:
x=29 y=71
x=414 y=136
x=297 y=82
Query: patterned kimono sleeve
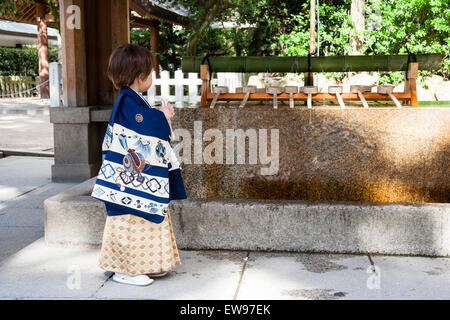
x=107 y=141
x=176 y=185
x=172 y=158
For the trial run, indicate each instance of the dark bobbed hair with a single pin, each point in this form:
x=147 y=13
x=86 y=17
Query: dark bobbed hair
x=127 y=63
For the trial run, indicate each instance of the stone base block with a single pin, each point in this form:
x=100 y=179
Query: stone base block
x=73 y=172
x=75 y=218
x=313 y=226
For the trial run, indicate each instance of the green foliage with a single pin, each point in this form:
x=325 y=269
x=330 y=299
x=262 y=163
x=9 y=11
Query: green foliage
x=392 y=27
x=422 y=26
x=173 y=43
x=8 y=8
x=23 y=62
x=281 y=27
x=390 y=77
x=336 y=30
x=202 y=14
x=270 y=18
x=54 y=11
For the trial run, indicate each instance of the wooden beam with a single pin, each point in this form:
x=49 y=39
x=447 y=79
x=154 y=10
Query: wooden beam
x=150 y=9
x=134 y=7
x=144 y=23
x=31 y=13
x=28 y=14
x=262 y=96
x=23 y=34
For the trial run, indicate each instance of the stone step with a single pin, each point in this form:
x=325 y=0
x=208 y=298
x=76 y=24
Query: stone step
x=29 y=153
x=75 y=218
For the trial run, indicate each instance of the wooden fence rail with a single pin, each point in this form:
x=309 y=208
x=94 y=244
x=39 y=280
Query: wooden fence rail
x=18 y=86
x=183 y=88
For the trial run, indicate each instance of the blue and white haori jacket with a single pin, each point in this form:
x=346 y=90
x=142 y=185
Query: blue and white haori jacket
x=140 y=173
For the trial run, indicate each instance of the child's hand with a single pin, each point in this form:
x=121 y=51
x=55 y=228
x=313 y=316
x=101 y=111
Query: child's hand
x=168 y=111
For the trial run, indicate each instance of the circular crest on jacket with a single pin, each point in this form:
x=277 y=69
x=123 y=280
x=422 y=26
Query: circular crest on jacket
x=139 y=118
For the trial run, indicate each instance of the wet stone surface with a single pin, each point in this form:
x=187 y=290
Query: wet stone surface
x=315 y=294
x=373 y=155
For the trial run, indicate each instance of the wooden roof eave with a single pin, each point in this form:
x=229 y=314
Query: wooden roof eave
x=28 y=14
x=23 y=34
x=146 y=9
x=137 y=22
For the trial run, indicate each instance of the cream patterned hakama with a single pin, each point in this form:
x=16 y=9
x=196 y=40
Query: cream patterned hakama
x=134 y=245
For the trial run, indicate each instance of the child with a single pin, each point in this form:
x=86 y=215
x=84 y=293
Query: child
x=135 y=248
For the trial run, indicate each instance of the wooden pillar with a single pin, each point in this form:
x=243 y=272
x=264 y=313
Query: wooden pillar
x=410 y=84
x=107 y=27
x=102 y=26
x=204 y=75
x=154 y=44
x=43 y=50
x=73 y=52
x=90 y=31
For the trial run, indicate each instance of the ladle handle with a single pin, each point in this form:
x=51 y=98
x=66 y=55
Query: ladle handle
x=172 y=136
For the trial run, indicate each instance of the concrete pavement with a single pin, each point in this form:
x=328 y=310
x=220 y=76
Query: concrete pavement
x=25 y=124
x=29 y=269
x=42 y=272
x=24 y=185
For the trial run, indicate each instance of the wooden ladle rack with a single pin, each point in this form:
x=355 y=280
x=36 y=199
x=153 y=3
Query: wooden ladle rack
x=409 y=64
x=209 y=98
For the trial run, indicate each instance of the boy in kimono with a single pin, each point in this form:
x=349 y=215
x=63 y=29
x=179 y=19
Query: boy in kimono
x=138 y=246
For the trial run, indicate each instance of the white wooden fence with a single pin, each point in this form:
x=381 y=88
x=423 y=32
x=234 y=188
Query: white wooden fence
x=182 y=97
x=186 y=91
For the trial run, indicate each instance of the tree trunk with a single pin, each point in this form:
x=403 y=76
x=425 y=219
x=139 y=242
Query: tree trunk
x=212 y=9
x=357 y=15
x=154 y=45
x=43 y=52
x=309 y=76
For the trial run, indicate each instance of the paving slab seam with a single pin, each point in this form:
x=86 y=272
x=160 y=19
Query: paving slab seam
x=370 y=259
x=46 y=298
x=24 y=193
x=2 y=226
x=27 y=153
x=103 y=284
x=241 y=276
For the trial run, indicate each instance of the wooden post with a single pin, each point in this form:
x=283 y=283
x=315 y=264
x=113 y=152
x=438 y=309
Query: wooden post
x=154 y=44
x=204 y=75
x=312 y=27
x=107 y=27
x=73 y=53
x=411 y=78
x=309 y=76
x=43 y=50
x=90 y=31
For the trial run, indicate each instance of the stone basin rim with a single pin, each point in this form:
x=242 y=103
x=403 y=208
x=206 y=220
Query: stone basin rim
x=82 y=192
